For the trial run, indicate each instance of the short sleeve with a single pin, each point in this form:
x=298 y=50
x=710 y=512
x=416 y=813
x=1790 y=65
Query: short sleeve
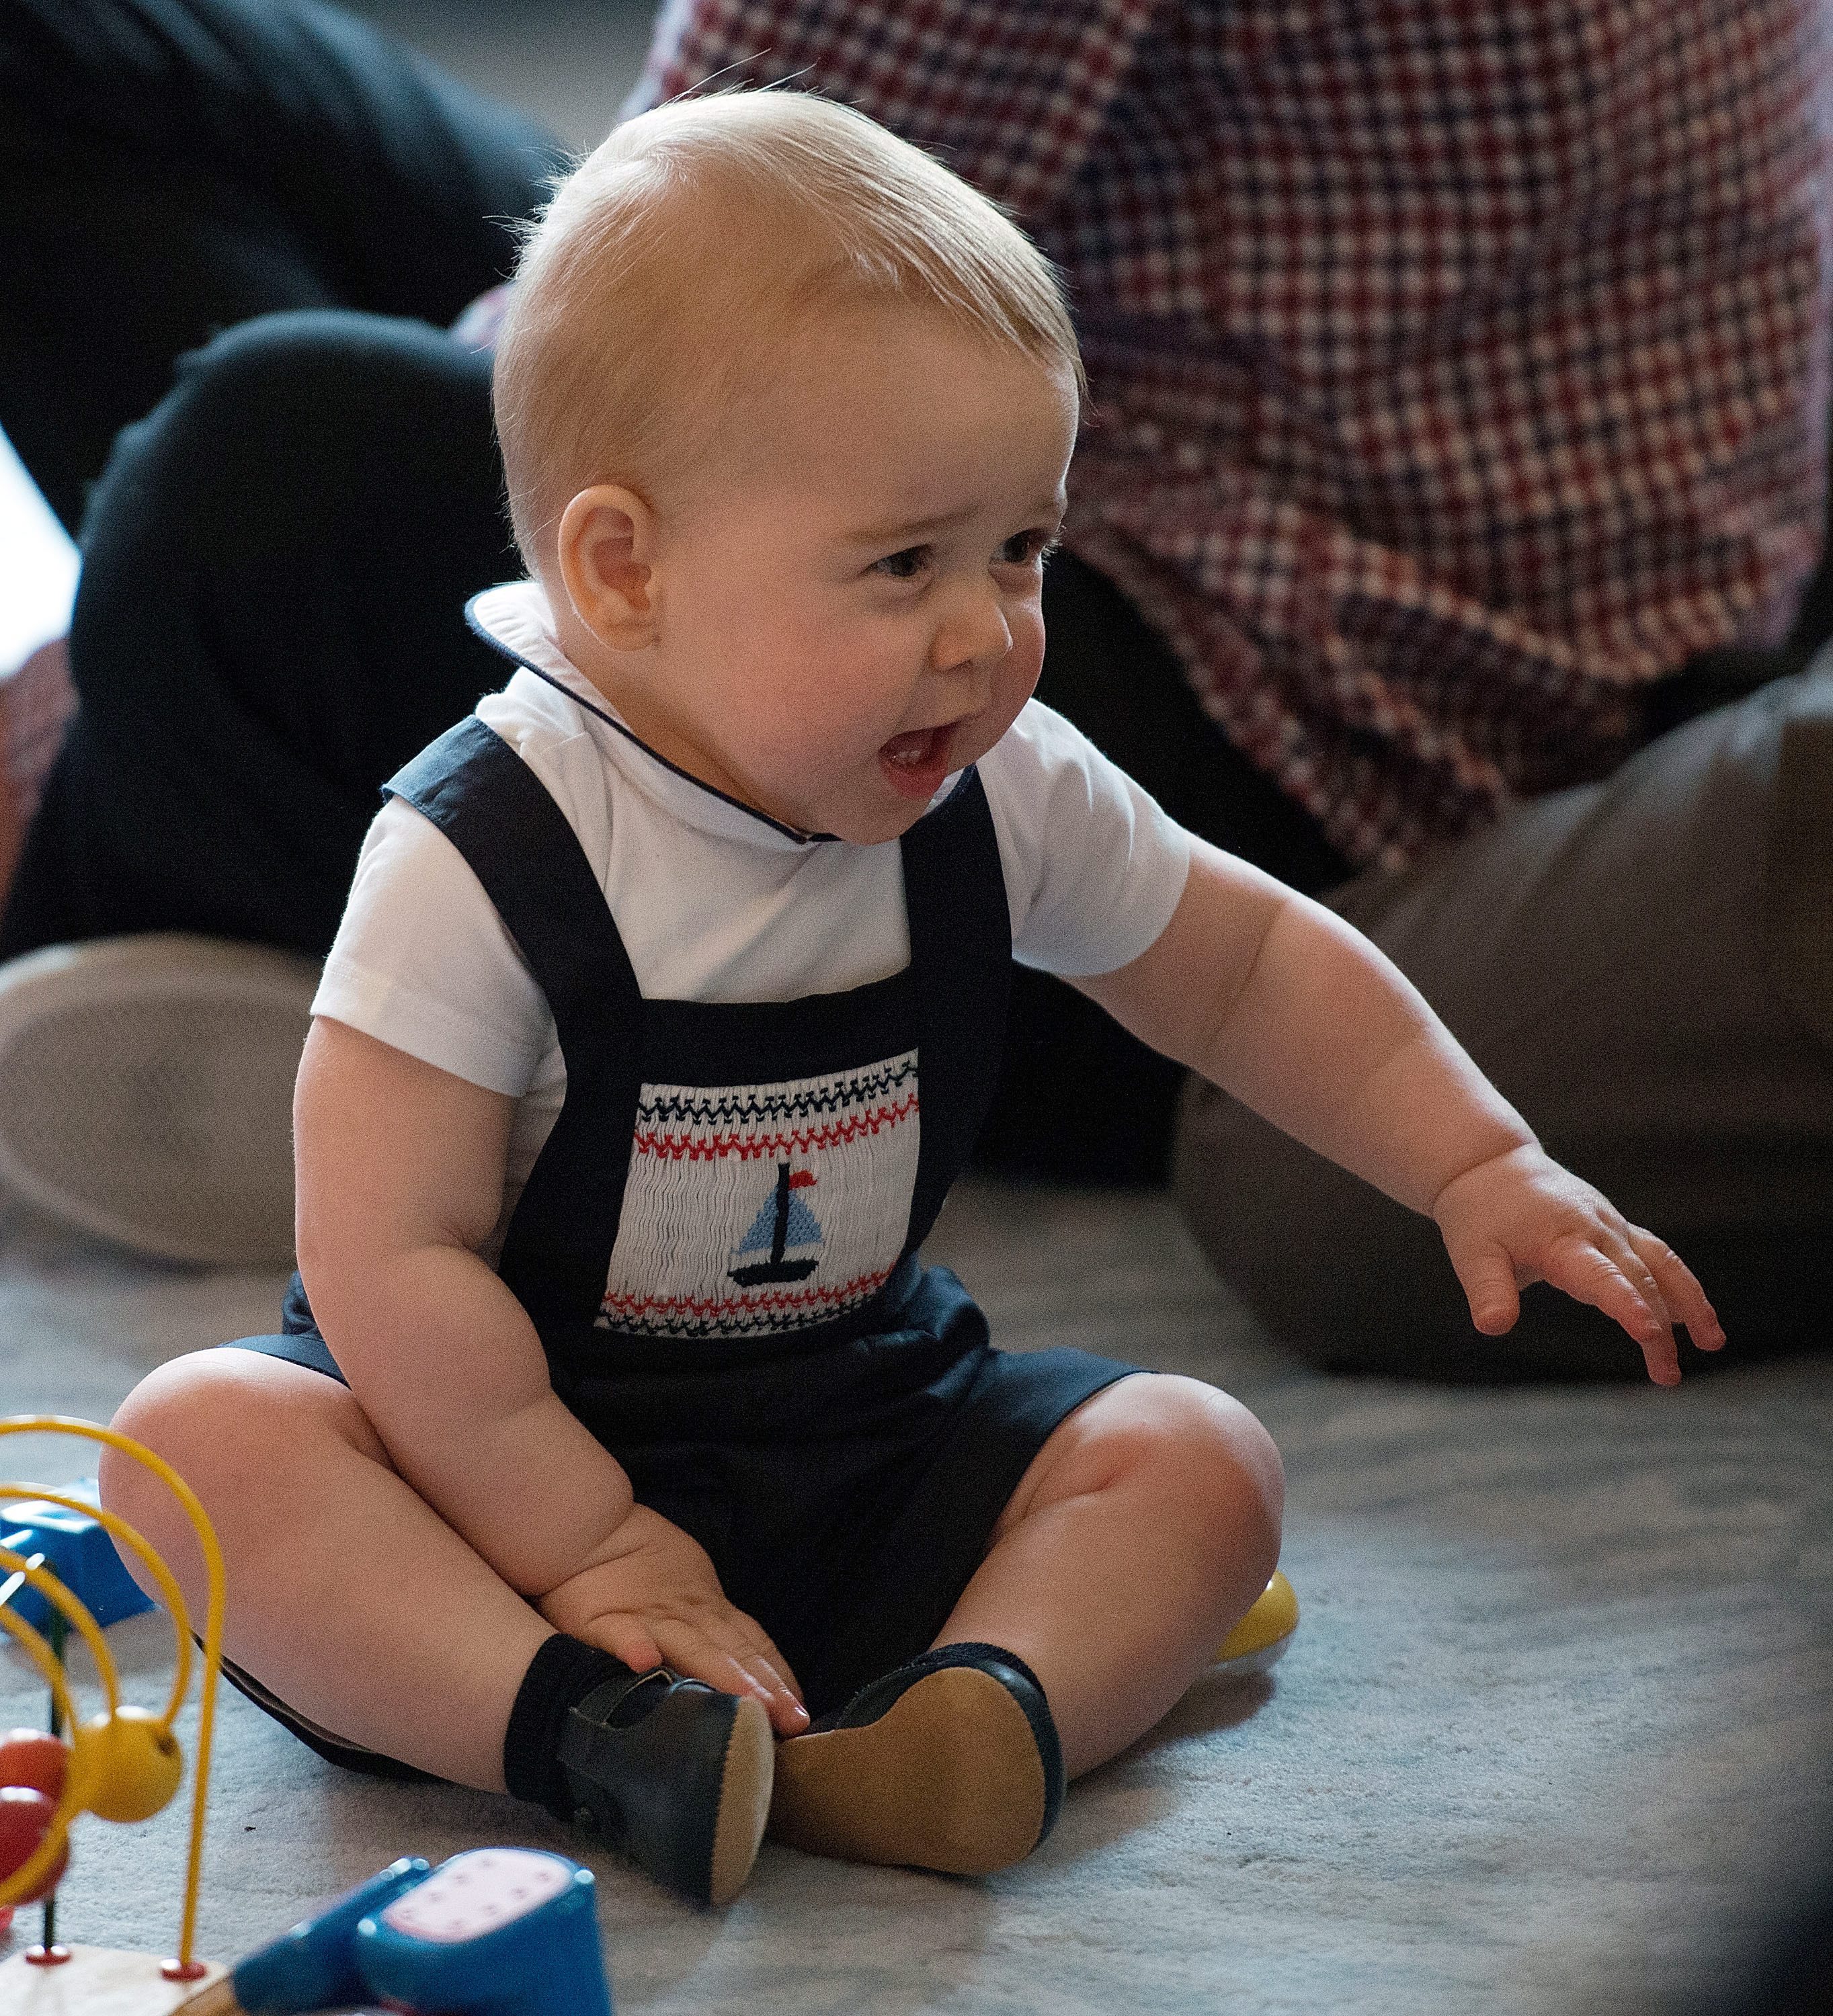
x=1094 y=867
x=423 y=962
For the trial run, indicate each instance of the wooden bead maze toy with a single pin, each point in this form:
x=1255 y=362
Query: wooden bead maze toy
x=122 y=1764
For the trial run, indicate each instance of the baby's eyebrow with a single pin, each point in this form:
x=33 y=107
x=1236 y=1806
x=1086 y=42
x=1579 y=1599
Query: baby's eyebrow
x=878 y=535
x=917 y=528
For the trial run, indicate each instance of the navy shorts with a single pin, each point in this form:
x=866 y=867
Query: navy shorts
x=846 y=1494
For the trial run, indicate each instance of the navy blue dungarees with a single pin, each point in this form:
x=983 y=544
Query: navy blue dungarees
x=718 y=1242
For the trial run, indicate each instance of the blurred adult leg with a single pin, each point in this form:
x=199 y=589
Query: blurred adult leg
x=270 y=621
x=172 y=168
x=1645 y=966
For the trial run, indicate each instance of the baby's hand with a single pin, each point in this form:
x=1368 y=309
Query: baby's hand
x=650 y=1598
x=1520 y=1218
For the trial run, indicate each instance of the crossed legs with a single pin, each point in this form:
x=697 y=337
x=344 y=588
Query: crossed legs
x=1142 y=1531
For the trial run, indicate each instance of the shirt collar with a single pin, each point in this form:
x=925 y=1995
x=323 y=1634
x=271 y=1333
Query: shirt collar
x=516 y=619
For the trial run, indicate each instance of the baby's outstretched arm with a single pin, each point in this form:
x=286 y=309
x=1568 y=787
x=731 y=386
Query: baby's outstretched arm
x=1279 y=1001
x=400 y=1183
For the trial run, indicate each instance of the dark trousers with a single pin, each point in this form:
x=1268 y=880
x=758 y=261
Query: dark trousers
x=277 y=560
x=172 y=168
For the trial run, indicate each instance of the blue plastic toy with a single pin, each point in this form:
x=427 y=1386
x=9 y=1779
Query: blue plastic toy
x=510 y=1931
x=78 y=1551
x=312 y=1967
x=494 y=1932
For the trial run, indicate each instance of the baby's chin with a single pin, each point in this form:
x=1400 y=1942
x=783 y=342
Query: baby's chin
x=872 y=825
x=868 y=815
x=880 y=800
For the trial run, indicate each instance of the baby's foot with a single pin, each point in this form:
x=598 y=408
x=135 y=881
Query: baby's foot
x=676 y=1775
x=951 y=1762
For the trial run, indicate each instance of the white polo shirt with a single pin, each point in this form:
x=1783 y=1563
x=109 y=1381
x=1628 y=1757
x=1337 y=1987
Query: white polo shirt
x=713 y=902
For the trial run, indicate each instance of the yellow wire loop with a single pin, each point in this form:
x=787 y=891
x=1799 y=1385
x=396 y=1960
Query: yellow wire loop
x=65 y=1424
x=60 y=1599
x=24 y=1879
x=117 y=1528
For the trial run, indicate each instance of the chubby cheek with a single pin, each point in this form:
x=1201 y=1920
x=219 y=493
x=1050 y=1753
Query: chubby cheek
x=848 y=692
x=794 y=732
x=774 y=687
x=1014 y=681
x=1018 y=674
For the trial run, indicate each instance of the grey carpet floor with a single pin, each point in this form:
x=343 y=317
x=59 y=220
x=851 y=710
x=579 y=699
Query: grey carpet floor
x=1553 y=1736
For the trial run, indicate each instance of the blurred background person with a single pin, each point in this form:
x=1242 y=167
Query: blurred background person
x=1441 y=540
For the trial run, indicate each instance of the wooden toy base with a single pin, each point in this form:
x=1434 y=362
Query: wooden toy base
x=94 y=1982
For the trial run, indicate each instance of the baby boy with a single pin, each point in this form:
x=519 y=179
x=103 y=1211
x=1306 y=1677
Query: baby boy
x=617 y=1428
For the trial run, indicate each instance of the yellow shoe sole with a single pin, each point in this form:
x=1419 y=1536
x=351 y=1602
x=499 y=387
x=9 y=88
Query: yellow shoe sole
x=1261 y=1638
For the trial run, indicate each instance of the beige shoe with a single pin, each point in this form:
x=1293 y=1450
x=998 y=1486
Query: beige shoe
x=951 y=1762
x=146 y=1092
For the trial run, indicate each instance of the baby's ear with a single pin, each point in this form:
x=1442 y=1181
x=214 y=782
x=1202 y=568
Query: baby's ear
x=607 y=539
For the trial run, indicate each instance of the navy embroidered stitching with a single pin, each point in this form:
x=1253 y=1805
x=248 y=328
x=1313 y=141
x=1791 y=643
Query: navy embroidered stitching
x=720 y=1103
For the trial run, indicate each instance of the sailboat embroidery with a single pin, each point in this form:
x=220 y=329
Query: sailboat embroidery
x=784 y=1223
x=759 y=1210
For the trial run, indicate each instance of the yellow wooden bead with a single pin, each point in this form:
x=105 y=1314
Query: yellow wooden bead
x=128 y=1764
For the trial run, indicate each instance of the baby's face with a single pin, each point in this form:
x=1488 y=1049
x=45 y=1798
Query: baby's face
x=851 y=609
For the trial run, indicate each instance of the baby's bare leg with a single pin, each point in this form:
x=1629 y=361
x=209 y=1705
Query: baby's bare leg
x=1140 y=1536
x=348 y=1595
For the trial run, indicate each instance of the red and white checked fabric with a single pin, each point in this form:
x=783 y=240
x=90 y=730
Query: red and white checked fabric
x=1459 y=366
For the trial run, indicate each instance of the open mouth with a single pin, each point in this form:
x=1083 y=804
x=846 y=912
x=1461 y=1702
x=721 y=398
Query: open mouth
x=916 y=760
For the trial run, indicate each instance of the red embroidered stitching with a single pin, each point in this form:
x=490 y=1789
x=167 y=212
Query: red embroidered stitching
x=629 y=1305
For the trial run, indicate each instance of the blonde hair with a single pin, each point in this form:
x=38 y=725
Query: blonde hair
x=654 y=285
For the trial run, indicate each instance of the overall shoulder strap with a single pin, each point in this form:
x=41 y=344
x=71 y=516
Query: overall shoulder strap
x=961 y=953
x=500 y=816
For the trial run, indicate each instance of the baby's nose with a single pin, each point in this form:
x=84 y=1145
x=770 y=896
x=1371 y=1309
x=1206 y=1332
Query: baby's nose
x=975 y=634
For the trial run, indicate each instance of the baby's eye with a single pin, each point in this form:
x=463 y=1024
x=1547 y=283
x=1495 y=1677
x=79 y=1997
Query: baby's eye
x=905 y=566
x=1023 y=548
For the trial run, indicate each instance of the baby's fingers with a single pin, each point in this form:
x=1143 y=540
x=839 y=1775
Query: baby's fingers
x=1685 y=1299
x=736 y=1662
x=627 y=1638
x=1590 y=1274
x=1487 y=1274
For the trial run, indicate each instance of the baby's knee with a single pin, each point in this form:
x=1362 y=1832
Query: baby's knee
x=1203 y=1450
x=211 y=1415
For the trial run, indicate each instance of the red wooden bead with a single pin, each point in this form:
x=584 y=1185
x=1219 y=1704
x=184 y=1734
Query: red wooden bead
x=32 y=1757
x=25 y=1819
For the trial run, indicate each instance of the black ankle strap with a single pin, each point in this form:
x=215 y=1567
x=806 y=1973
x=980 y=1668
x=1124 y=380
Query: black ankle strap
x=603 y=1704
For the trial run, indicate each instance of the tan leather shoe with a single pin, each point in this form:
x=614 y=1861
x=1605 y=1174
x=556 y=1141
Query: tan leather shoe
x=950 y=1763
